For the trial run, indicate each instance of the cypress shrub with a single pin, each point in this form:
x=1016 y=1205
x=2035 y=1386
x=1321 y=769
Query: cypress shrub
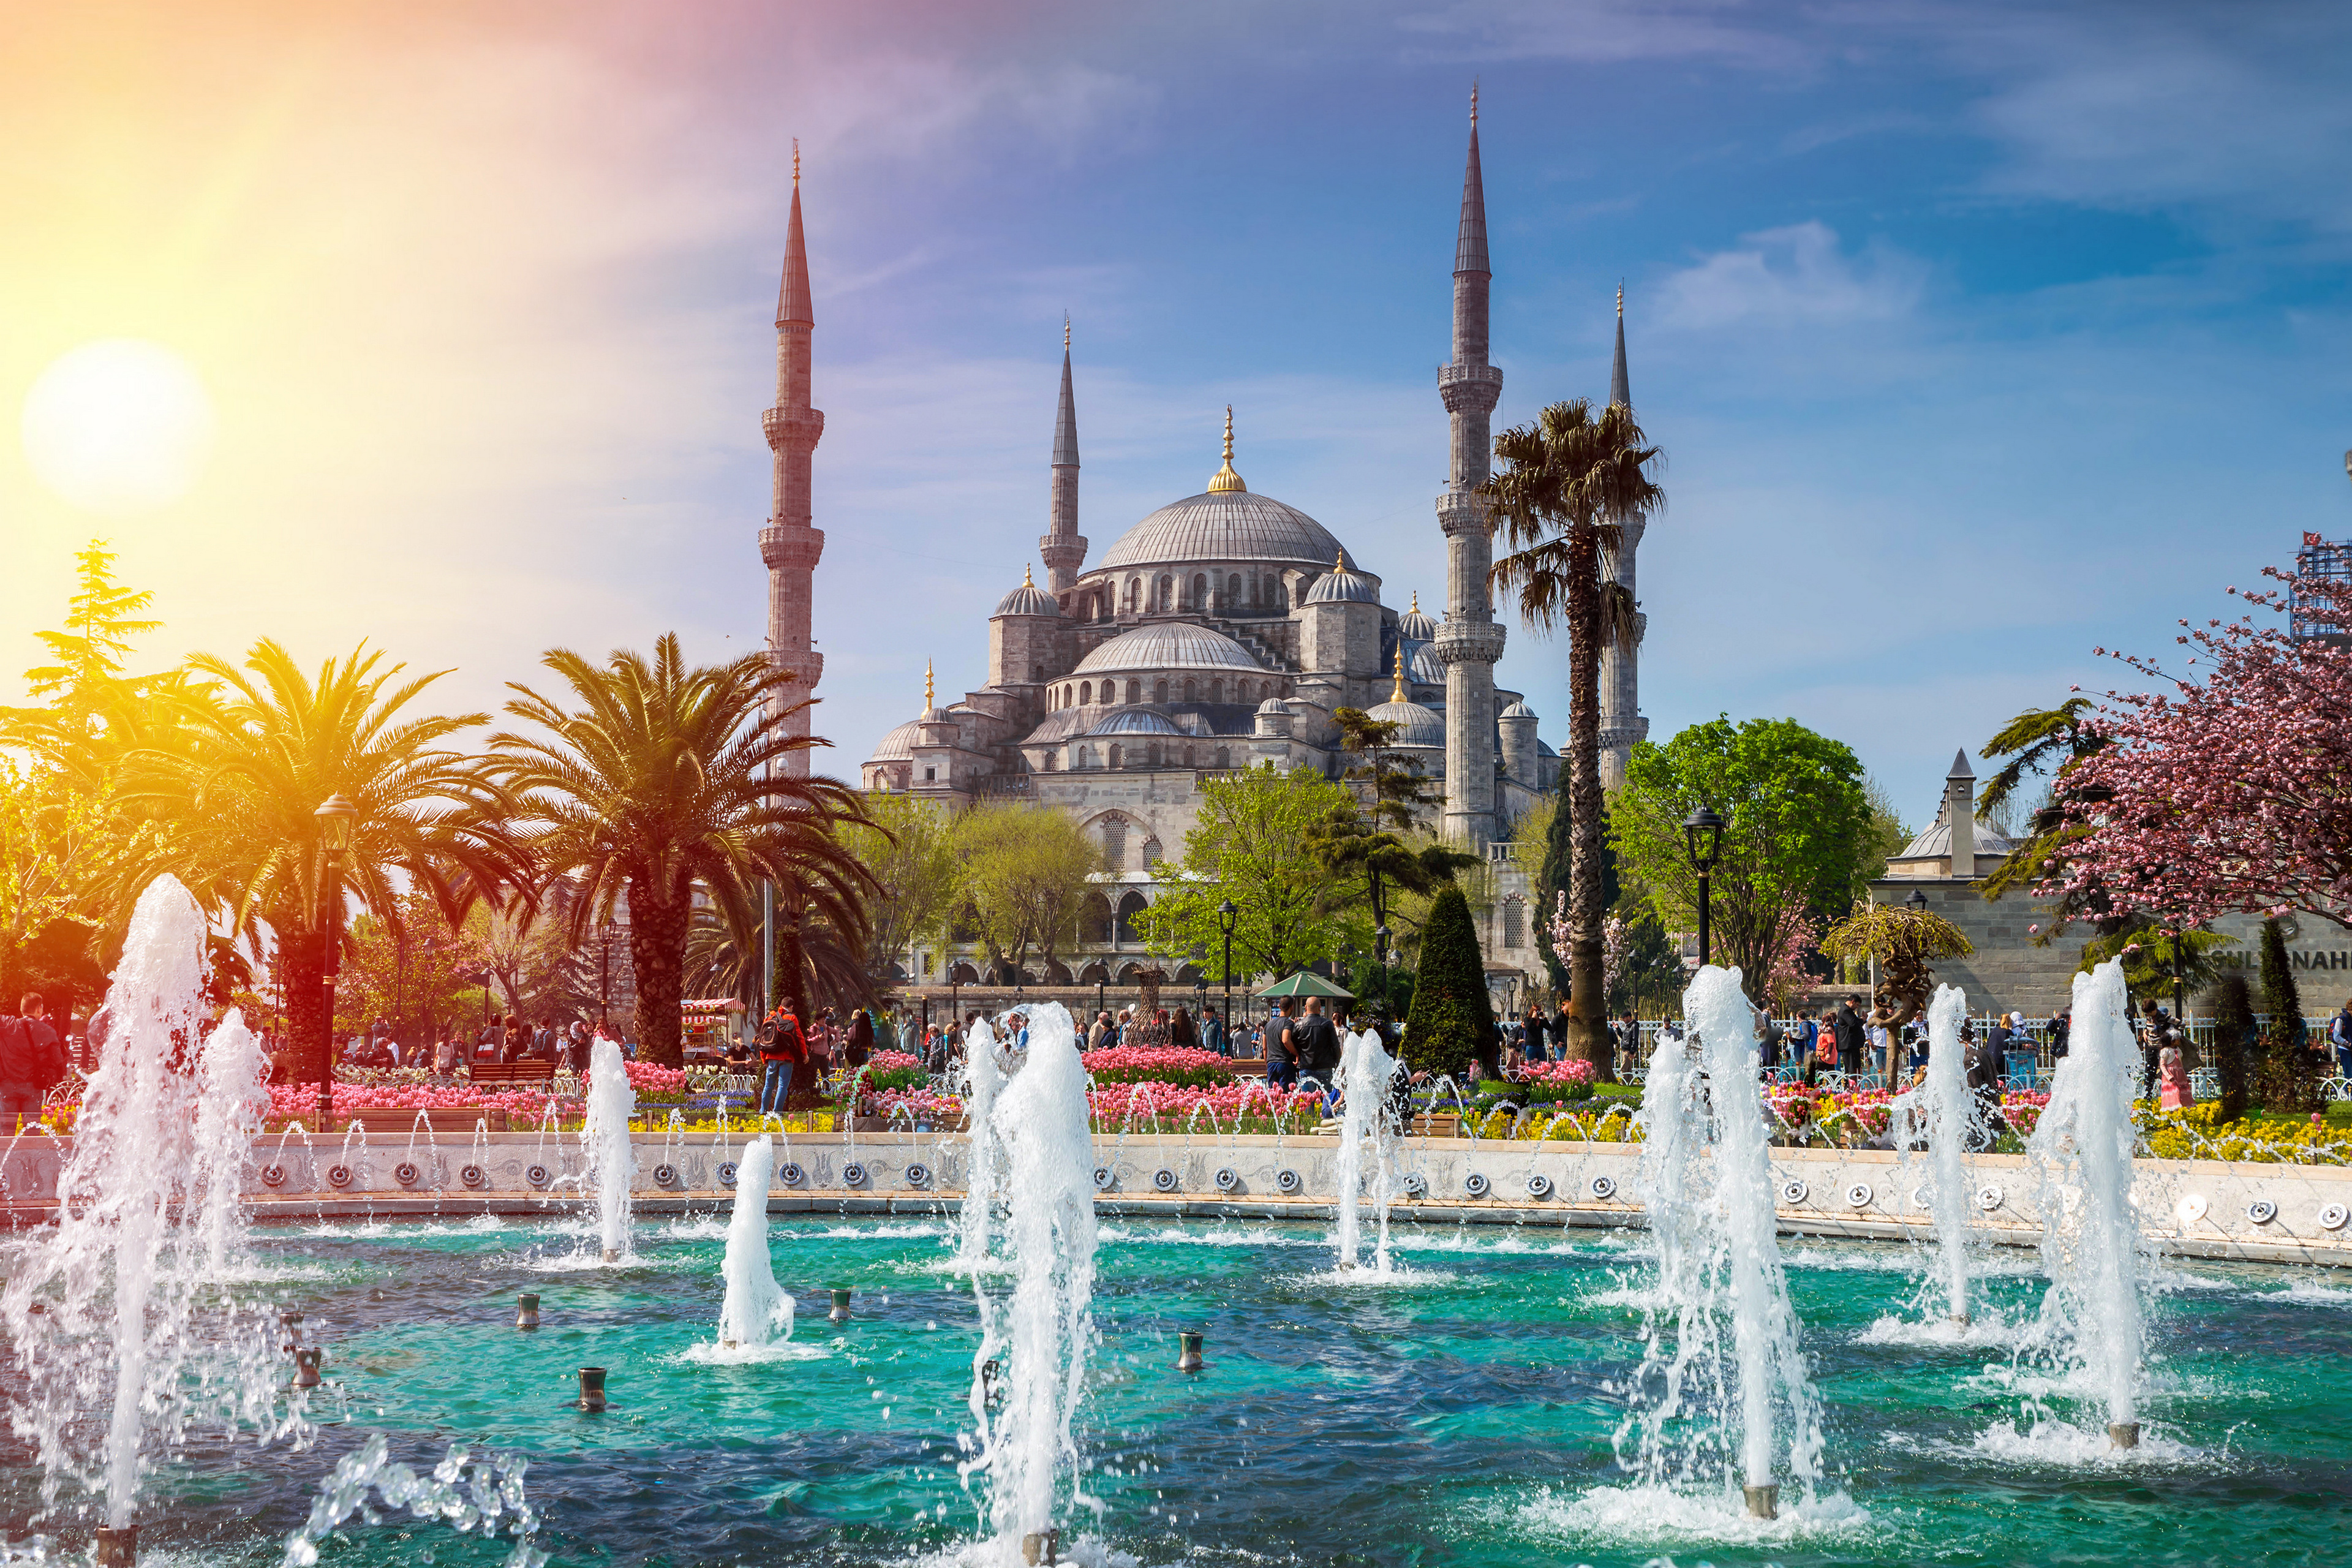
x=2234 y=1030
x=1452 y=1018
x=2285 y=1073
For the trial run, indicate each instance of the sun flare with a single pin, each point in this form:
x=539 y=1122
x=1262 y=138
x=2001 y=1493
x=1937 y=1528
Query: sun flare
x=118 y=426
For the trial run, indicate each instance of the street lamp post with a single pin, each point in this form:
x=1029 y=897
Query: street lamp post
x=1703 y=839
x=334 y=818
x=1226 y=914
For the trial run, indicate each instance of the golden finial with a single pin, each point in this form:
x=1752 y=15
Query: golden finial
x=927 y=686
x=1620 y=300
x=1473 y=101
x=1416 y=601
x=1066 y=329
x=1225 y=479
x=1340 y=558
x=1026 y=581
x=1399 y=694
x=796 y=156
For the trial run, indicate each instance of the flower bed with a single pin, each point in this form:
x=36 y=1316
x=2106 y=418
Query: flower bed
x=2199 y=1133
x=1159 y=1064
x=300 y=1101
x=1170 y=1105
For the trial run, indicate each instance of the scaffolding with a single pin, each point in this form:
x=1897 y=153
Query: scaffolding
x=2319 y=560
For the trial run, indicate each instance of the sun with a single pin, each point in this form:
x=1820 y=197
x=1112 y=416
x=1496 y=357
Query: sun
x=118 y=426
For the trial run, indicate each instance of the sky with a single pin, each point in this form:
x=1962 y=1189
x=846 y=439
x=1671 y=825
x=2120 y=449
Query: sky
x=1977 y=337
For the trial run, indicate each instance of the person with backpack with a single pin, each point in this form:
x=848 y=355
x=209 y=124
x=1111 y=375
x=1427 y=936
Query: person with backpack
x=32 y=1059
x=783 y=1049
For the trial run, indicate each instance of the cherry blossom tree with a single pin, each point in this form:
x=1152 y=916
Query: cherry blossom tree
x=2226 y=787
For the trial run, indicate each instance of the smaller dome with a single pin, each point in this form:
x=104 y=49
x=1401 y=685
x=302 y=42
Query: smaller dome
x=1414 y=625
x=1423 y=665
x=1166 y=646
x=1135 y=721
x=1341 y=586
x=1519 y=710
x=1274 y=705
x=1027 y=600
x=1416 y=725
x=898 y=743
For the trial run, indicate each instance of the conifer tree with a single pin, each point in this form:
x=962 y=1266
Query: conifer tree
x=2285 y=1065
x=1452 y=1017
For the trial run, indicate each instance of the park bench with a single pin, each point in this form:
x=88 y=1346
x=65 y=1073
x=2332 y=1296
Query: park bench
x=530 y=1071
x=1448 y=1125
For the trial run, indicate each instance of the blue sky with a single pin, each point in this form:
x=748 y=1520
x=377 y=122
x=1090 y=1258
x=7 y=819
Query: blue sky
x=1976 y=336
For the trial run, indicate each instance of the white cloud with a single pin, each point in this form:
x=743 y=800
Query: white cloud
x=1791 y=276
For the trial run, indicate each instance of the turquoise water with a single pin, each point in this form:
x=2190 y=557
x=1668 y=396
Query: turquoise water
x=1461 y=1416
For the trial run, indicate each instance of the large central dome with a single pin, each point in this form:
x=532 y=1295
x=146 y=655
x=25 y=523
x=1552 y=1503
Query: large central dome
x=1224 y=525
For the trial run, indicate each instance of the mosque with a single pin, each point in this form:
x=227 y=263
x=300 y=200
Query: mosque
x=1222 y=631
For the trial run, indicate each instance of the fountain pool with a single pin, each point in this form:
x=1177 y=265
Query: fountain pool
x=1463 y=1418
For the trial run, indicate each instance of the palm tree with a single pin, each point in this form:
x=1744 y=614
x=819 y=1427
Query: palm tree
x=1569 y=483
x=664 y=783
x=257 y=748
x=2052 y=741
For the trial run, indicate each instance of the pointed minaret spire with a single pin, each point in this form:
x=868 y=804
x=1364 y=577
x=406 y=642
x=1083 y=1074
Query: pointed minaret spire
x=1468 y=640
x=1062 y=549
x=1621 y=392
x=1399 y=694
x=790 y=545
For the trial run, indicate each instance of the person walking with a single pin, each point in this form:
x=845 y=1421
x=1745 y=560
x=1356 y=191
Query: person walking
x=1181 y=1033
x=1845 y=1026
x=783 y=1049
x=1316 y=1046
x=1281 y=1055
x=2339 y=1035
x=857 y=1049
x=1213 y=1033
x=1537 y=1029
x=2173 y=1090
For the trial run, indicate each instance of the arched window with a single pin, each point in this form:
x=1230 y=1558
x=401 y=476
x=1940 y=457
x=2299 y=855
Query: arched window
x=1150 y=851
x=1165 y=594
x=1159 y=690
x=1114 y=754
x=1128 y=908
x=1216 y=690
x=1274 y=592
x=1135 y=691
x=1233 y=589
x=1052 y=762
x=1114 y=834
x=1083 y=758
x=1188 y=689
x=1199 y=591
x=1151 y=759
x=1515 y=922
x=1085 y=693
x=1225 y=758
x=1134 y=593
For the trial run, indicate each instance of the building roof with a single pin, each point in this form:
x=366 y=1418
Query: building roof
x=1518 y=709
x=1341 y=586
x=1224 y=526
x=1414 y=625
x=1027 y=600
x=1937 y=842
x=1416 y=725
x=898 y=743
x=1139 y=720
x=1274 y=705
x=1169 y=645
x=1060 y=725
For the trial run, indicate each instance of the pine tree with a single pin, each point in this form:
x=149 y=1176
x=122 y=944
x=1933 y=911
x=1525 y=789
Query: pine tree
x=2233 y=1029
x=101 y=621
x=2287 y=1065
x=1452 y=1018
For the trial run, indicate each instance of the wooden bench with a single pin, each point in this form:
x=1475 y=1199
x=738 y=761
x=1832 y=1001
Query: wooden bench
x=529 y=1071
x=1448 y=1125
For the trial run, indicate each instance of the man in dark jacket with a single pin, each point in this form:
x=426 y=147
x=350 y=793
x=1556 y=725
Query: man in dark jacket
x=1851 y=1040
x=1319 y=1045
x=31 y=1059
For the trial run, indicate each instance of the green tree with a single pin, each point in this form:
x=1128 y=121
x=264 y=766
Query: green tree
x=2286 y=1079
x=1797 y=839
x=1024 y=869
x=1253 y=843
x=1653 y=970
x=1569 y=484
x=908 y=845
x=420 y=975
x=2159 y=961
x=2041 y=740
x=2234 y=1032
x=1902 y=939
x=1453 y=1016
x=260 y=746
x=665 y=779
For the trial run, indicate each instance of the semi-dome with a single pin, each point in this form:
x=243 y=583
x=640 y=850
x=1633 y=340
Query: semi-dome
x=1224 y=526
x=1415 y=625
x=1060 y=725
x=1341 y=586
x=1135 y=721
x=1169 y=645
x=1027 y=600
x=898 y=743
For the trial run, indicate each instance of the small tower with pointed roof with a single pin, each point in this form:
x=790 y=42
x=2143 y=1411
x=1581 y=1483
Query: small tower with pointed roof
x=1622 y=727
x=790 y=545
x=1063 y=549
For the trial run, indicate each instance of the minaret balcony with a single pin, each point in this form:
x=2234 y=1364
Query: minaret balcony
x=1466 y=642
x=1470 y=388
x=791 y=549
x=793 y=429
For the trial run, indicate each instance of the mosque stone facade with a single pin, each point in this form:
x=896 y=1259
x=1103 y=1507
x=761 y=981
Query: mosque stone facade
x=1222 y=631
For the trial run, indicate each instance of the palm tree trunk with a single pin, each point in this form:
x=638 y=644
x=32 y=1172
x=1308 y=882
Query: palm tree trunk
x=1588 y=1028
x=658 y=953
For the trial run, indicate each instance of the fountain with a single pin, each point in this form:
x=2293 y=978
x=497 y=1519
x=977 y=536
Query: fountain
x=983 y=1153
x=1043 y=1330
x=1952 y=1122
x=605 y=1141
x=1706 y=1175
x=756 y=1309
x=2082 y=1151
x=1365 y=1069
x=112 y=1306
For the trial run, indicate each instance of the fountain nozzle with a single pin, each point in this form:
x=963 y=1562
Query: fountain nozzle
x=306 y=1367
x=117 y=1548
x=591 y=1388
x=527 y=1309
x=840 y=1313
x=612 y=1255
x=1041 y=1546
x=2124 y=1434
x=1764 y=1501
x=1188 y=1352
x=293 y=1324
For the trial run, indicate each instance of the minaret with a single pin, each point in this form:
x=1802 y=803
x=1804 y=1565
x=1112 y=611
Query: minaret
x=1469 y=642
x=1062 y=548
x=789 y=545
x=1622 y=724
